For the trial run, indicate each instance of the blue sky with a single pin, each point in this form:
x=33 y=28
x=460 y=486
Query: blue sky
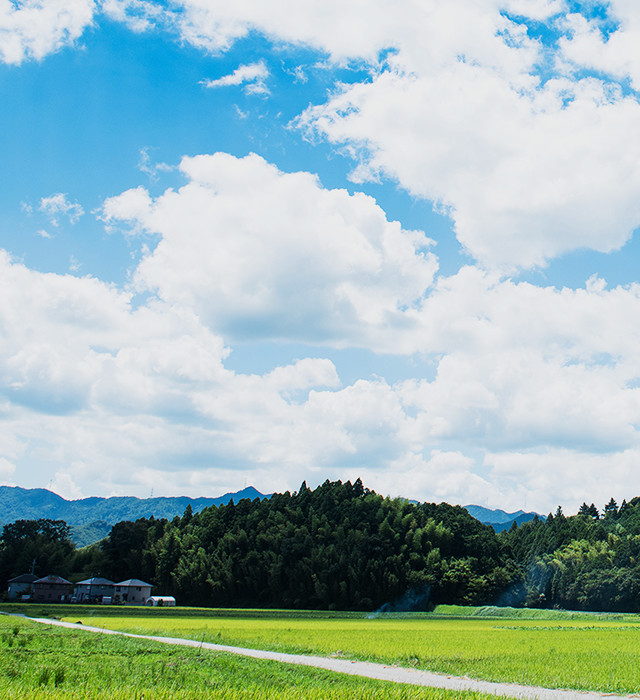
x=261 y=245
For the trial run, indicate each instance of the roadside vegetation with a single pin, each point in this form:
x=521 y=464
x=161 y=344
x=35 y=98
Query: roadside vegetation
x=37 y=661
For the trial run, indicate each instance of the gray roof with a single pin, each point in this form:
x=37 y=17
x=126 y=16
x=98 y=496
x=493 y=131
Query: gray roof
x=96 y=581
x=133 y=582
x=24 y=578
x=53 y=580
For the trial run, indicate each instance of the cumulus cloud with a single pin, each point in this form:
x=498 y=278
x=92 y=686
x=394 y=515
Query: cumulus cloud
x=31 y=29
x=530 y=147
x=138 y=15
x=81 y=365
x=524 y=177
x=605 y=44
x=365 y=28
x=520 y=391
x=262 y=253
x=525 y=395
x=64 y=485
x=58 y=205
x=535 y=479
x=7 y=470
x=252 y=75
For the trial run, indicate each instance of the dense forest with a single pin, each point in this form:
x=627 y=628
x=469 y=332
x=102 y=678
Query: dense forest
x=341 y=546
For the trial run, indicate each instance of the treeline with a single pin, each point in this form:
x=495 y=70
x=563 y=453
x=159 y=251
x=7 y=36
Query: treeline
x=589 y=561
x=341 y=546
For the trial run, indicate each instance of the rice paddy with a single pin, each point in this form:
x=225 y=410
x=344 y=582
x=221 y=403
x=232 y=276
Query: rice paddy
x=581 y=651
x=547 y=648
x=39 y=661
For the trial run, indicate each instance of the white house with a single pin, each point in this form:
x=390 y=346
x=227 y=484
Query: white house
x=133 y=591
x=22 y=586
x=93 y=590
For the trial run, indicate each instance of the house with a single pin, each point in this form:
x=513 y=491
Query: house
x=167 y=601
x=21 y=587
x=133 y=591
x=51 y=589
x=93 y=590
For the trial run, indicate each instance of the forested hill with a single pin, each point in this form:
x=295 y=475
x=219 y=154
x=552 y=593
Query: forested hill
x=341 y=546
x=24 y=504
x=338 y=546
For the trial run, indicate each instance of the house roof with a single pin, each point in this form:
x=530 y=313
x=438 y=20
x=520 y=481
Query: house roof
x=96 y=581
x=133 y=582
x=24 y=578
x=53 y=580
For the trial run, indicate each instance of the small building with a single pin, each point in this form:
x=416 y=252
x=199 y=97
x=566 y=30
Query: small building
x=166 y=601
x=51 y=589
x=93 y=590
x=133 y=591
x=21 y=587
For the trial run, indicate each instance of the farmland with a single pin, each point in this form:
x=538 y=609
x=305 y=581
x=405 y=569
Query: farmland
x=39 y=661
x=532 y=647
x=577 y=651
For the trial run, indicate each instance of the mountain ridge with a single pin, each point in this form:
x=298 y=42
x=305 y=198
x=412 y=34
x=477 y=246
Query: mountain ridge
x=94 y=515
x=499 y=519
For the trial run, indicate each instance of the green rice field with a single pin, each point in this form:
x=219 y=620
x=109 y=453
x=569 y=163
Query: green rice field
x=554 y=650
x=40 y=661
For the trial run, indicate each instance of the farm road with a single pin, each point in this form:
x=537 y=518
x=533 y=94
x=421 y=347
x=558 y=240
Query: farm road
x=395 y=674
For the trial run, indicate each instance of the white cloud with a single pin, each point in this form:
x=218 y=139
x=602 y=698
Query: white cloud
x=31 y=29
x=7 y=470
x=58 y=205
x=536 y=390
x=147 y=166
x=356 y=29
x=547 y=478
x=64 y=485
x=140 y=397
x=524 y=176
x=529 y=157
x=137 y=15
x=252 y=75
x=587 y=44
x=258 y=252
x=89 y=381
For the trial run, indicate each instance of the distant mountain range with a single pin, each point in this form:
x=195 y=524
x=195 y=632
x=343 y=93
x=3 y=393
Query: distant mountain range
x=91 y=518
x=498 y=519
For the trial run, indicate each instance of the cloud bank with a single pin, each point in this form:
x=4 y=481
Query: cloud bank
x=518 y=120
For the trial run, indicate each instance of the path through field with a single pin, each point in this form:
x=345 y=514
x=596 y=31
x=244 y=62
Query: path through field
x=377 y=671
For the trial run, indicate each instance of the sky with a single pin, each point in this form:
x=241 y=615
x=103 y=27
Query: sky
x=258 y=243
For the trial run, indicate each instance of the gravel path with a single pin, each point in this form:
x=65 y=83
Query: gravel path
x=383 y=672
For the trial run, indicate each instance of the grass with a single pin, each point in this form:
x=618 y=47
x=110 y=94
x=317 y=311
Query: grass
x=579 y=651
x=40 y=661
x=457 y=611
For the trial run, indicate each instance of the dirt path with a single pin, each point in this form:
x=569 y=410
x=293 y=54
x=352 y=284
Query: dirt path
x=381 y=672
